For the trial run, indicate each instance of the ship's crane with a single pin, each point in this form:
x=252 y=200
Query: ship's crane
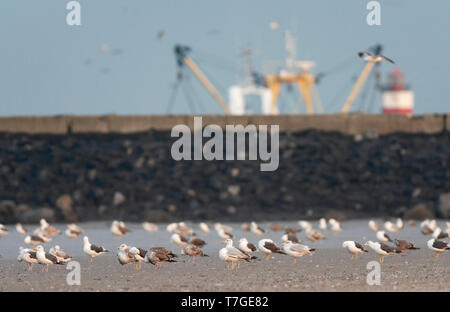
x=182 y=58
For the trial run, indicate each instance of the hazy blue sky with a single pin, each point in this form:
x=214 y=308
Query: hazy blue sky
x=48 y=67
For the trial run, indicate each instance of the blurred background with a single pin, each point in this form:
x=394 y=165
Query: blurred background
x=121 y=59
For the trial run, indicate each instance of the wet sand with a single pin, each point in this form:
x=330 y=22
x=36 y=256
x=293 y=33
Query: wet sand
x=330 y=268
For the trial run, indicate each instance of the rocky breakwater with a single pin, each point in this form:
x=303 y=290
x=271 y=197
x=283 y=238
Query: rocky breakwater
x=133 y=177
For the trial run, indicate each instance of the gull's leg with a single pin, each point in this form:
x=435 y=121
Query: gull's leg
x=353 y=256
x=267 y=256
x=47 y=268
x=381 y=259
x=43 y=268
x=295 y=260
x=239 y=264
x=92 y=259
x=232 y=265
x=437 y=254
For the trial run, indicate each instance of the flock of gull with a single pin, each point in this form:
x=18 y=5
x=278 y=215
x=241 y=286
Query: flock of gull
x=185 y=238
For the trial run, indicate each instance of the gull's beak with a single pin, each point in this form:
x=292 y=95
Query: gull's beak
x=222 y=242
x=239 y=241
x=34 y=248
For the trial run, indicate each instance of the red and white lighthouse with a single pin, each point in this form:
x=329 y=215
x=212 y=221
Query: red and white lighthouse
x=397 y=98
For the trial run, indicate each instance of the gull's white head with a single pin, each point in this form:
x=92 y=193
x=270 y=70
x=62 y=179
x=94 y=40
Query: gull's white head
x=86 y=240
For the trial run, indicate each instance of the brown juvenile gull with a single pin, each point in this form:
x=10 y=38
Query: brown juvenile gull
x=193 y=251
x=404 y=245
x=438 y=246
x=296 y=250
x=197 y=242
x=268 y=247
x=232 y=254
x=354 y=248
x=158 y=255
x=314 y=235
x=245 y=227
x=91 y=250
x=275 y=227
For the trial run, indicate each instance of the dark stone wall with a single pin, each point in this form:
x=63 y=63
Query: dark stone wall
x=94 y=176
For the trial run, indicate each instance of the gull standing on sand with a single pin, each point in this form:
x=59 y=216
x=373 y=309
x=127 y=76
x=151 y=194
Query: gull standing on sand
x=33 y=240
x=245 y=246
x=373 y=226
x=245 y=227
x=381 y=249
x=305 y=225
x=48 y=229
x=29 y=256
x=354 y=248
x=296 y=250
x=256 y=229
x=59 y=254
x=45 y=258
x=438 y=234
x=268 y=247
x=193 y=251
x=91 y=250
x=438 y=246
x=232 y=254
x=223 y=234
x=124 y=256
x=290 y=237
x=138 y=255
x=314 y=235
x=383 y=237
x=20 y=229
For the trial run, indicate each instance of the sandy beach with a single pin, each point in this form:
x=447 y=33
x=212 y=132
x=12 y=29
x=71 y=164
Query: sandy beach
x=330 y=268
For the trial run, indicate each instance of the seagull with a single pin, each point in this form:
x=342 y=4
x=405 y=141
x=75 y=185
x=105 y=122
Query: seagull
x=404 y=245
x=354 y=248
x=232 y=254
x=171 y=228
x=193 y=251
x=335 y=225
x=381 y=249
x=73 y=230
x=91 y=250
x=390 y=227
x=183 y=229
x=197 y=242
x=290 y=237
x=157 y=255
x=305 y=225
x=33 y=240
x=138 y=255
x=439 y=234
x=3 y=230
x=20 y=229
x=323 y=224
x=119 y=228
x=150 y=227
x=124 y=256
x=29 y=256
x=375 y=58
x=245 y=227
x=383 y=237
x=204 y=227
x=45 y=258
x=438 y=246
x=60 y=254
x=425 y=227
x=268 y=247
x=256 y=229
x=48 y=229
x=225 y=228
x=245 y=246
x=314 y=235
x=178 y=239
x=373 y=226
x=447 y=224
x=296 y=250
